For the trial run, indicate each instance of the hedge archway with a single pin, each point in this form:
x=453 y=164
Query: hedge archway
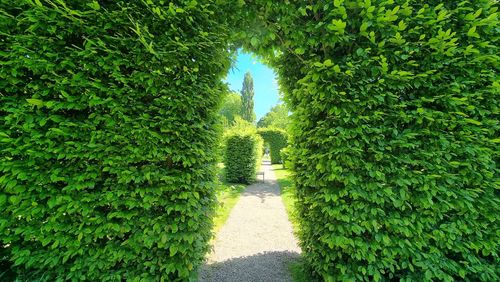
x=277 y=140
x=108 y=116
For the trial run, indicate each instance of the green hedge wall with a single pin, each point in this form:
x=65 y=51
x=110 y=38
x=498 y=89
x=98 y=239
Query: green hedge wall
x=285 y=157
x=395 y=133
x=107 y=126
x=242 y=156
x=277 y=139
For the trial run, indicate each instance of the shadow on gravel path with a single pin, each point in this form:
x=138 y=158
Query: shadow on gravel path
x=268 y=266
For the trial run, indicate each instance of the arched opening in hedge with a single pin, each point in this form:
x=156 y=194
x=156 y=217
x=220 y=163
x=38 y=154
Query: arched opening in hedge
x=276 y=140
x=108 y=121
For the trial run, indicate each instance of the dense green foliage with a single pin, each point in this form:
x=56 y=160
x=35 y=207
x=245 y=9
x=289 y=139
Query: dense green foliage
x=395 y=133
x=243 y=153
x=230 y=109
x=277 y=117
x=277 y=140
x=107 y=129
x=247 y=93
x=285 y=156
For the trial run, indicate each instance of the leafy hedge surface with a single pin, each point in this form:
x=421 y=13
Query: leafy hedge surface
x=285 y=156
x=395 y=134
x=107 y=118
x=242 y=156
x=277 y=139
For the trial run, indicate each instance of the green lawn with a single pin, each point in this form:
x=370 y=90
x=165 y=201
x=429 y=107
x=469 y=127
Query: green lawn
x=297 y=269
x=227 y=195
x=287 y=194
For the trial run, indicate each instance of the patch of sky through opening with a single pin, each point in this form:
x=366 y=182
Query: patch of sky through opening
x=264 y=79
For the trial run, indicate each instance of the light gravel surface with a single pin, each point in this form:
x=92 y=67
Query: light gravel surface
x=256 y=243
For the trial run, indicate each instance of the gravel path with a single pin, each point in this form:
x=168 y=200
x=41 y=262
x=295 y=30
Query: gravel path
x=256 y=243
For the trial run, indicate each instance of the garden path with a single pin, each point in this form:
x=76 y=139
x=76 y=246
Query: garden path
x=256 y=243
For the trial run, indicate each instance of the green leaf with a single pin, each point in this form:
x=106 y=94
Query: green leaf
x=14 y=199
x=364 y=27
x=338 y=26
x=174 y=227
x=173 y=250
x=473 y=121
x=401 y=25
x=55 y=244
x=45 y=241
x=35 y=102
x=254 y=41
x=428 y=275
x=299 y=51
x=472 y=32
x=462 y=273
x=94 y=5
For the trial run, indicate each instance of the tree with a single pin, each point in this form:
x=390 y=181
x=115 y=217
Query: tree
x=231 y=108
x=276 y=117
x=247 y=98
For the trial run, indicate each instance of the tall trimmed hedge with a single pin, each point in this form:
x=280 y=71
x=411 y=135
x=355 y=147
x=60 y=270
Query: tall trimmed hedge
x=107 y=126
x=242 y=156
x=395 y=133
x=277 y=139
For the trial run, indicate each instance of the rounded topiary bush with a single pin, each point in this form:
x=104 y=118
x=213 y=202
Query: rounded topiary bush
x=277 y=140
x=242 y=156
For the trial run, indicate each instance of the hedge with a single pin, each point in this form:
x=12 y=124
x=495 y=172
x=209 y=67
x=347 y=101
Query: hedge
x=107 y=126
x=277 y=139
x=285 y=157
x=242 y=156
x=395 y=133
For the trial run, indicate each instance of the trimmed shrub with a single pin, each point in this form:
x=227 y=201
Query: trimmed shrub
x=107 y=117
x=395 y=134
x=242 y=156
x=277 y=140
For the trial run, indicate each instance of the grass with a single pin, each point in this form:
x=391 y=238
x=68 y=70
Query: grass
x=298 y=272
x=288 y=195
x=227 y=196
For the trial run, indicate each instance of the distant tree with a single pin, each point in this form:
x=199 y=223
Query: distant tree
x=276 y=117
x=231 y=108
x=247 y=93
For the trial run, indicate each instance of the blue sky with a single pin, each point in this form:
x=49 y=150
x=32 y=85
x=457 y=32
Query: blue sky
x=264 y=82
